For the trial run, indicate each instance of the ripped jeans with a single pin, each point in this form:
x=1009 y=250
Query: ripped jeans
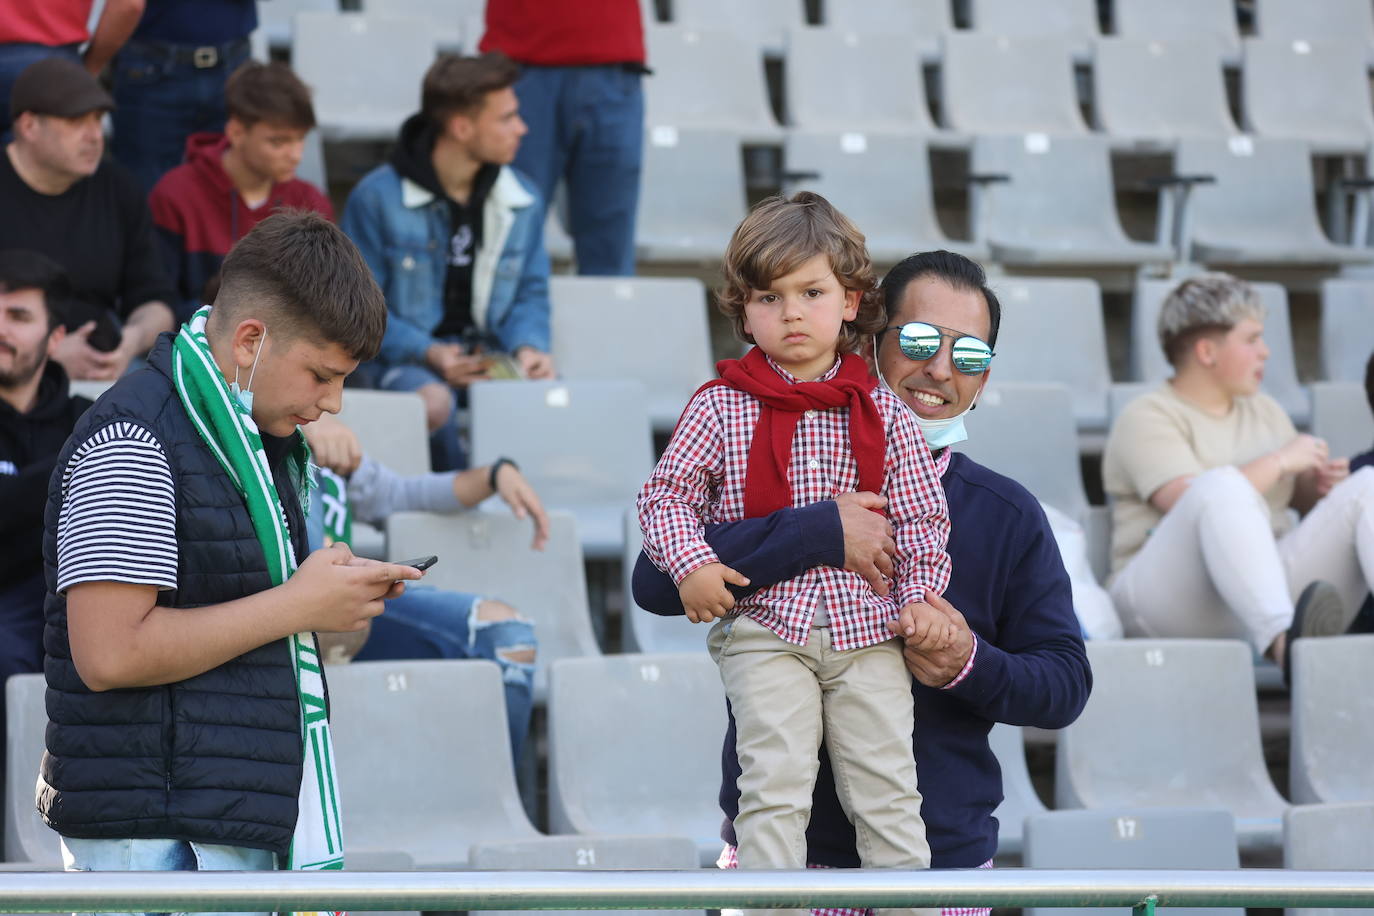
x=436 y=623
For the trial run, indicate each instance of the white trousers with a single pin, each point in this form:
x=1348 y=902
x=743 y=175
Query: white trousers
x=1213 y=569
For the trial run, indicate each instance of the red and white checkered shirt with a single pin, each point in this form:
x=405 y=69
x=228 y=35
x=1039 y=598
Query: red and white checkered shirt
x=700 y=480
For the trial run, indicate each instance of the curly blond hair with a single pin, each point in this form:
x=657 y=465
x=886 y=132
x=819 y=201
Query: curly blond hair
x=777 y=237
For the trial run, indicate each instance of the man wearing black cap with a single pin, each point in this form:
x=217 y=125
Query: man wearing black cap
x=59 y=197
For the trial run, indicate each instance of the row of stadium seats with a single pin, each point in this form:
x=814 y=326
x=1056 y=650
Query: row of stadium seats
x=766 y=22
x=1143 y=742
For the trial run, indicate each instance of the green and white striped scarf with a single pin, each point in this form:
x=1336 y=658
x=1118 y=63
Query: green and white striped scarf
x=229 y=431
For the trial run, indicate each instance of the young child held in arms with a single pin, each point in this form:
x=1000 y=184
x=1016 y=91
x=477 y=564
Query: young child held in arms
x=799 y=419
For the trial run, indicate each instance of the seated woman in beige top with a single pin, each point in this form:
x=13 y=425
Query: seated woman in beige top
x=1202 y=473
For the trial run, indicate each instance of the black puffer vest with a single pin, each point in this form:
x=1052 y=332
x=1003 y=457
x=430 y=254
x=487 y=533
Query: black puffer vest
x=215 y=758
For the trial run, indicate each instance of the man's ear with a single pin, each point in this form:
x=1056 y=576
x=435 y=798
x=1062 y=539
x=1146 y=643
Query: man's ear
x=249 y=336
x=55 y=337
x=1205 y=350
x=235 y=130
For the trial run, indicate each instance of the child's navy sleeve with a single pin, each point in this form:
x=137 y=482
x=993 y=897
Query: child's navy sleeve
x=767 y=550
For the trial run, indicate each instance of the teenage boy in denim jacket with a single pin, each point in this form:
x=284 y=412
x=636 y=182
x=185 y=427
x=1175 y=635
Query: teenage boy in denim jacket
x=455 y=238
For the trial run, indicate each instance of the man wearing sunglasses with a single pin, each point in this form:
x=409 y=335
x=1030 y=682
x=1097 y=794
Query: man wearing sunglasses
x=1019 y=655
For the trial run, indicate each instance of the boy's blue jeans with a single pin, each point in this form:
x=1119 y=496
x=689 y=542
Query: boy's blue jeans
x=162 y=855
x=434 y=623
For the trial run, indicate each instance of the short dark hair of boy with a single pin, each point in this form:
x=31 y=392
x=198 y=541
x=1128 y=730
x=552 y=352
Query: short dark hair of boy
x=268 y=92
x=781 y=234
x=960 y=272
x=1369 y=381
x=22 y=269
x=300 y=274
x=460 y=85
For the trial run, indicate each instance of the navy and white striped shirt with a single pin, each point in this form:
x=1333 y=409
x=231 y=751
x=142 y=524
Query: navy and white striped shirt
x=118 y=516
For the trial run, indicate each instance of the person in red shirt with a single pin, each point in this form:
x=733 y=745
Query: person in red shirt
x=580 y=94
x=232 y=181
x=30 y=32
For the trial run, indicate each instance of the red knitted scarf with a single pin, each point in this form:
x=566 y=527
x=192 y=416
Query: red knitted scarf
x=766 y=487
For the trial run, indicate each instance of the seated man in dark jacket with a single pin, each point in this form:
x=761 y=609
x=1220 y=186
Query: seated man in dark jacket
x=1019 y=656
x=36 y=416
x=188 y=721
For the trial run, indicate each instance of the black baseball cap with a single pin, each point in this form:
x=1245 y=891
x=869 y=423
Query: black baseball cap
x=57 y=86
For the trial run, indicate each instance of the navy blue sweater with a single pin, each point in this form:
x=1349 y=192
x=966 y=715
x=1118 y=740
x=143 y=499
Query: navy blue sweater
x=1009 y=583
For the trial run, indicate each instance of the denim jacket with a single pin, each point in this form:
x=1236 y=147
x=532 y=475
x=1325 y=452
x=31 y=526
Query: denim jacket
x=403 y=232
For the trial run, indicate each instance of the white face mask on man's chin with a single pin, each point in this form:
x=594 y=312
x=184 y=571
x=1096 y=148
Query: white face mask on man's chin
x=944 y=432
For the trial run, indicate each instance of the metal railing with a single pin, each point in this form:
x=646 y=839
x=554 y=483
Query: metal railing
x=85 y=892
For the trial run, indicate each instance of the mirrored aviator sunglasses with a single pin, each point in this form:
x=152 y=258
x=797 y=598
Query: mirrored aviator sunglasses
x=921 y=341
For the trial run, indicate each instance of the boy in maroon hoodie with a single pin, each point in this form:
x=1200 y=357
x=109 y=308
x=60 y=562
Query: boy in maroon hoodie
x=232 y=181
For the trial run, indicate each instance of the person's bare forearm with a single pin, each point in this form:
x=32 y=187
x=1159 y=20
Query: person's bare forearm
x=472 y=486
x=117 y=23
x=164 y=645
x=145 y=323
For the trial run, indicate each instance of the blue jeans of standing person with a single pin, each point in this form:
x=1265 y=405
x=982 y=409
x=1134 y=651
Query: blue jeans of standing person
x=164 y=93
x=13 y=59
x=433 y=623
x=587 y=126
x=162 y=855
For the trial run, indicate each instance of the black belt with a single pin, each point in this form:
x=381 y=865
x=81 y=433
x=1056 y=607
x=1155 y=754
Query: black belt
x=202 y=57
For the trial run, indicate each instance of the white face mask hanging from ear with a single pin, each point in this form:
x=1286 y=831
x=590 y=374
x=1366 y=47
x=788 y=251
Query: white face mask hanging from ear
x=245 y=396
x=940 y=433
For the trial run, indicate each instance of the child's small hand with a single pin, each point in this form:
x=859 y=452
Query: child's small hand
x=703 y=592
x=923 y=627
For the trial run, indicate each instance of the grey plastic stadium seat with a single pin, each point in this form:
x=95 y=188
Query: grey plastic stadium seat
x=1072 y=20
x=1262 y=208
x=763 y=24
x=1326 y=837
x=444 y=16
x=1057 y=206
x=872 y=82
x=435 y=723
x=88 y=388
x=846 y=167
x=1132 y=838
x=1145 y=741
x=653 y=329
x=1341 y=19
x=488 y=554
x=1333 y=720
x=1347 y=329
x=585 y=446
x=691 y=194
x=707 y=78
x=391 y=427
x=1151 y=92
x=998 y=85
x=27 y=838
x=1026 y=431
x=353 y=101
x=1042 y=315
x=275 y=18
x=1019 y=798
x=1311 y=90
x=1171 y=20
x=1340 y=415
x=642 y=631
x=1280 y=371
x=651 y=765
x=925 y=22
x=311 y=168
x=584 y=853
